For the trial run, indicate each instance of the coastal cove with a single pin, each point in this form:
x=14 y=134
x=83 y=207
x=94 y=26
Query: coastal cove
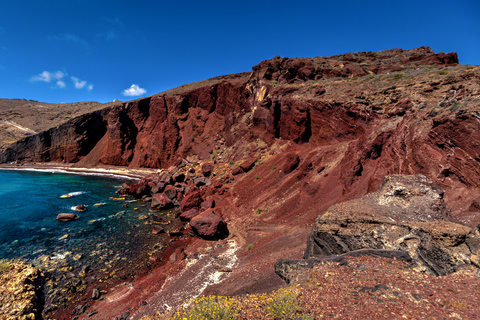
x=111 y=240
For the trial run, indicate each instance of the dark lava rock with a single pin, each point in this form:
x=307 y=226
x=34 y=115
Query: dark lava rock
x=406 y=213
x=209 y=225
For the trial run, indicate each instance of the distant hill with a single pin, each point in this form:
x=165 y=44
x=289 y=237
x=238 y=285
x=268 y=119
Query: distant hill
x=20 y=118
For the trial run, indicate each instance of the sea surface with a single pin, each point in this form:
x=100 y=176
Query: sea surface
x=112 y=232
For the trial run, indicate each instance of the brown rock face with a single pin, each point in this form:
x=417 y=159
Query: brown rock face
x=406 y=213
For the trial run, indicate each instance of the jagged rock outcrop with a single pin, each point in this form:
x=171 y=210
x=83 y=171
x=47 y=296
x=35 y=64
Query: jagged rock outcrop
x=21 y=292
x=406 y=213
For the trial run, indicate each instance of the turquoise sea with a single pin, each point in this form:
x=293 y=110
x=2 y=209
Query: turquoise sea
x=113 y=233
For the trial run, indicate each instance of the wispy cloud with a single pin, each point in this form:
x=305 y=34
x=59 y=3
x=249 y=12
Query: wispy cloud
x=80 y=84
x=57 y=77
x=133 y=91
x=46 y=76
x=109 y=35
x=70 y=38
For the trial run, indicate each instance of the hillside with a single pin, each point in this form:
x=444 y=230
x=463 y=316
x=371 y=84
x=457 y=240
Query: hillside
x=20 y=118
x=270 y=151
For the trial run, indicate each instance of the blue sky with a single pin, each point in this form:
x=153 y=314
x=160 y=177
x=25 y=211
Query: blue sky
x=82 y=50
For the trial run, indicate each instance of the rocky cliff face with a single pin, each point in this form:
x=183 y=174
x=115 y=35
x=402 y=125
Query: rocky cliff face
x=296 y=136
x=380 y=113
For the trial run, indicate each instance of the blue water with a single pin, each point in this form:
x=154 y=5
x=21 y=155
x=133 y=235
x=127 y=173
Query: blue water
x=30 y=202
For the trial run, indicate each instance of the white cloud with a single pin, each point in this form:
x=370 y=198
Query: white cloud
x=78 y=84
x=90 y=87
x=134 y=90
x=48 y=77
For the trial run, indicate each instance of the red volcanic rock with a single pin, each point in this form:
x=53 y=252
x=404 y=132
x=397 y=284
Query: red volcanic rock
x=192 y=199
x=139 y=190
x=170 y=191
x=207 y=169
x=63 y=217
x=160 y=201
x=247 y=165
x=209 y=225
x=189 y=214
x=207 y=204
x=237 y=171
x=293 y=160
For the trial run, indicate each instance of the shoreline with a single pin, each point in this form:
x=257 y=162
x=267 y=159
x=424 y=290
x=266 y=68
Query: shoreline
x=121 y=173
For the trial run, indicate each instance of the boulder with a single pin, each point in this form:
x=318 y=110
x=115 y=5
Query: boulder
x=207 y=169
x=170 y=191
x=201 y=181
x=160 y=201
x=207 y=204
x=209 y=225
x=80 y=208
x=192 y=199
x=63 y=217
x=248 y=164
x=140 y=189
x=406 y=213
x=189 y=214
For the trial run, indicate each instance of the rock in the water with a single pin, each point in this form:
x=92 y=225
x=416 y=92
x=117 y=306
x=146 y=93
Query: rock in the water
x=160 y=201
x=406 y=213
x=209 y=225
x=63 y=217
x=80 y=208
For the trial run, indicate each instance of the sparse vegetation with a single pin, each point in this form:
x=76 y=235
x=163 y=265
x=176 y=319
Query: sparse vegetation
x=250 y=247
x=4 y=265
x=209 y=308
x=257 y=176
x=443 y=72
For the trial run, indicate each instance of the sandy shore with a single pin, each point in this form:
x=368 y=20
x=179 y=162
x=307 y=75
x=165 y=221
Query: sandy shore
x=99 y=170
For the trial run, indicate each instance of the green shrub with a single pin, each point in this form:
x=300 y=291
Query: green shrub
x=250 y=246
